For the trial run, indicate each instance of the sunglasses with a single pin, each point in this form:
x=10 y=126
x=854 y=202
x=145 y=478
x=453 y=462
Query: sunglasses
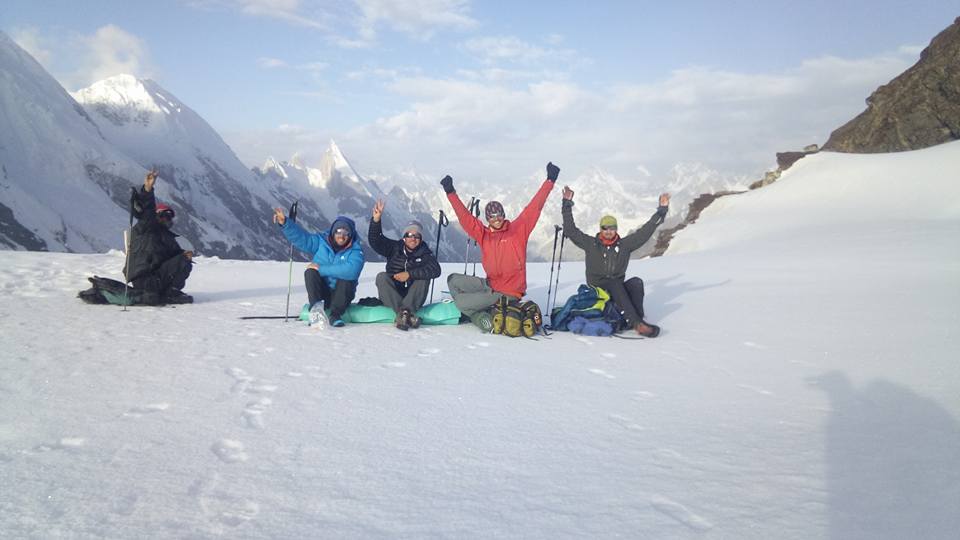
x=165 y=214
x=413 y=235
x=342 y=232
x=609 y=228
x=491 y=217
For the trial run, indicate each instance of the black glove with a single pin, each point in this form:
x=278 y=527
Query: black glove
x=447 y=184
x=552 y=172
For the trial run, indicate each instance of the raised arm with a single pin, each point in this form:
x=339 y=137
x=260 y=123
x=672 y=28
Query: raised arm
x=570 y=230
x=380 y=243
x=468 y=222
x=528 y=218
x=640 y=237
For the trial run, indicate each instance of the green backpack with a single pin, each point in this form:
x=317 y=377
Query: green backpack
x=514 y=319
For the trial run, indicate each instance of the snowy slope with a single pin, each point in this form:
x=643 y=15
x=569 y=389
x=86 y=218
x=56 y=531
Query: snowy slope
x=62 y=185
x=223 y=207
x=805 y=386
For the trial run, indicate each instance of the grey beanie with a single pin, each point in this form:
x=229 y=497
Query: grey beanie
x=413 y=226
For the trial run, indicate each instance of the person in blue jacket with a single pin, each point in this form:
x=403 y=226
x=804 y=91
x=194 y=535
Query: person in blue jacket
x=333 y=274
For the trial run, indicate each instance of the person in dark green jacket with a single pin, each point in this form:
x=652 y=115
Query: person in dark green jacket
x=607 y=257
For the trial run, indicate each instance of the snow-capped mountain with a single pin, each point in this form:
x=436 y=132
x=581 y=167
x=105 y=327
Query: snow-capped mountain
x=340 y=190
x=223 y=208
x=63 y=186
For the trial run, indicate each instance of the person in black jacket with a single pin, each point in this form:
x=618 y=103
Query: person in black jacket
x=607 y=257
x=156 y=264
x=410 y=267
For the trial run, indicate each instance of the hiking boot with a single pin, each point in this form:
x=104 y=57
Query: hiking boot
x=318 y=319
x=647 y=330
x=483 y=321
x=402 y=322
x=336 y=320
x=412 y=320
x=176 y=296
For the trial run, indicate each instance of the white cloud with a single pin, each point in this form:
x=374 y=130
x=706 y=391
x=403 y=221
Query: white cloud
x=417 y=18
x=108 y=52
x=731 y=121
x=31 y=41
x=271 y=63
x=307 y=14
x=499 y=48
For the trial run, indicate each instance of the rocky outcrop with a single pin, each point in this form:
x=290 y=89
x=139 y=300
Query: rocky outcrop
x=919 y=108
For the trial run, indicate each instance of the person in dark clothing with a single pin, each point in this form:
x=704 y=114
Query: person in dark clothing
x=410 y=267
x=607 y=257
x=331 y=277
x=156 y=264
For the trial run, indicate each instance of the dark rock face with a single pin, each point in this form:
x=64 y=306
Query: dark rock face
x=919 y=108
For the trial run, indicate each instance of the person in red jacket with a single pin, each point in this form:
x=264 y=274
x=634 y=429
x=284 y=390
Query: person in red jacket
x=503 y=249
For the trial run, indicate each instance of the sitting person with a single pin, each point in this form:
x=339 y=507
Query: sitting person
x=156 y=264
x=607 y=257
x=503 y=251
x=332 y=276
x=410 y=267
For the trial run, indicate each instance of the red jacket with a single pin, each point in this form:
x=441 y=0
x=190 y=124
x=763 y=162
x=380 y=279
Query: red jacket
x=504 y=252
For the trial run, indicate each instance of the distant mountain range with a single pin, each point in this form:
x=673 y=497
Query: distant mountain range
x=68 y=162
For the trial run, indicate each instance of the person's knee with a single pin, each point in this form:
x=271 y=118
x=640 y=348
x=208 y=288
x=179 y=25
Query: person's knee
x=384 y=278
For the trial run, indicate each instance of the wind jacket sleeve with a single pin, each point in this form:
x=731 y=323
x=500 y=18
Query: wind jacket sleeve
x=570 y=230
x=468 y=222
x=380 y=243
x=527 y=219
x=145 y=210
x=639 y=237
x=347 y=268
x=300 y=238
x=430 y=268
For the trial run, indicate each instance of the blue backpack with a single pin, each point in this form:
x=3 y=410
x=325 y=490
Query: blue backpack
x=591 y=304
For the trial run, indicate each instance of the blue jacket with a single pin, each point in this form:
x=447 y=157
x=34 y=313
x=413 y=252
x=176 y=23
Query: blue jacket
x=347 y=263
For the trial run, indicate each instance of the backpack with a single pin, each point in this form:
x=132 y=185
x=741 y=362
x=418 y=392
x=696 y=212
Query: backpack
x=589 y=302
x=514 y=319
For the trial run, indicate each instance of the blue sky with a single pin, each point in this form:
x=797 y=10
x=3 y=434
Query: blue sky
x=492 y=90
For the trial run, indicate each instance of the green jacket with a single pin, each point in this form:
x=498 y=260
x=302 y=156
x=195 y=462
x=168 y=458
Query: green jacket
x=608 y=262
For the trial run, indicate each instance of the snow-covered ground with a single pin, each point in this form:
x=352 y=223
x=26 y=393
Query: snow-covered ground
x=806 y=386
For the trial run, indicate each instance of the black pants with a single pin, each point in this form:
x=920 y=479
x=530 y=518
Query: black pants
x=172 y=274
x=336 y=299
x=627 y=295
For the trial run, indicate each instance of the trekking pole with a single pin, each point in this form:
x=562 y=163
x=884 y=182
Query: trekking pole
x=126 y=251
x=476 y=214
x=556 y=287
x=293 y=216
x=466 y=257
x=442 y=222
x=556 y=231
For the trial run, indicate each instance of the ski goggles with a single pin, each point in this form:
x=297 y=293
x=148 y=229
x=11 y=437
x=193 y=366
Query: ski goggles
x=609 y=228
x=413 y=235
x=342 y=231
x=165 y=214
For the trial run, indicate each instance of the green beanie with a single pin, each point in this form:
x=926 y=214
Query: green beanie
x=608 y=221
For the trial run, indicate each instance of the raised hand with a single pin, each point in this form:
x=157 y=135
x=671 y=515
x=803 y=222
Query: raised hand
x=664 y=199
x=150 y=180
x=447 y=184
x=567 y=193
x=552 y=172
x=378 y=210
x=278 y=216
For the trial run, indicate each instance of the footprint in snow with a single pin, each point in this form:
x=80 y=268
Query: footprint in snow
x=753 y=345
x=680 y=513
x=66 y=443
x=229 y=451
x=756 y=389
x=626 y=423
x=294 y=374
x=478 y=344
x=394 y=364
x=584 y=340
x=221 y=507
x=150 y=408
x=642 y=395
x=253 y=413
x=608 y=355
x=428 y=352
x=602 y=373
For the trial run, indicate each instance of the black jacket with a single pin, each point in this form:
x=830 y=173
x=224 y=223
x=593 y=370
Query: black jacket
x=420 y=263
x=608 y=262
x=151 y=243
